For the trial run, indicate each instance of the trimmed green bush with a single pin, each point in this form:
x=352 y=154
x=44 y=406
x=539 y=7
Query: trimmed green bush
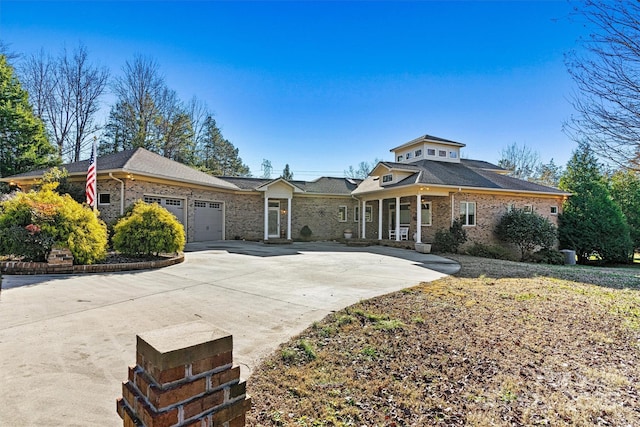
x=450 y=240
x=527 y=230
x=490 y=251
x=148 y=229
x=305 y=232
x=32 y=223
x=547 y=256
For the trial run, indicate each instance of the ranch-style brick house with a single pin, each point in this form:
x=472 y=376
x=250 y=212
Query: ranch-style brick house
x=424 y=189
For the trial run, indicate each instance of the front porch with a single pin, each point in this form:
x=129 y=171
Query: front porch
x=415 y=221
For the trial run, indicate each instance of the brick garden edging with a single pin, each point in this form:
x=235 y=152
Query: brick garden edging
x=19 y=267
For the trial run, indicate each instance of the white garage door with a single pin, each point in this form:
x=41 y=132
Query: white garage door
x=207 y=221
x=175 y=206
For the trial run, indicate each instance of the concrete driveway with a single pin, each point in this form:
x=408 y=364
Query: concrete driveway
x=66 y=341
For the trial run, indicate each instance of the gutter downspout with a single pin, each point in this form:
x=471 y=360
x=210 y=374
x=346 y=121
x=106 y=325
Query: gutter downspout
x=121 y=191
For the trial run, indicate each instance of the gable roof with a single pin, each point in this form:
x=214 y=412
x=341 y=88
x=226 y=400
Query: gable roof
x=142 y=162
x=323 y=185
x=465 y=174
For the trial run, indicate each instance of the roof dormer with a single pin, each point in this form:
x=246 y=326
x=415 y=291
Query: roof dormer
x=428 y=147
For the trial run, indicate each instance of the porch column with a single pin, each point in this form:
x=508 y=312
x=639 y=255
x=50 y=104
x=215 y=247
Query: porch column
x=398 y=218
x=289 y=218
x=419 y=219
x=266 y=217
x=379 y=219
x=364 y=221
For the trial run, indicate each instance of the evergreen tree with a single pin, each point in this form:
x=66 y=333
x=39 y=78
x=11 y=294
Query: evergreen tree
x=625 y=190
x=591 y=224
x=23 y=142
x=217 y=155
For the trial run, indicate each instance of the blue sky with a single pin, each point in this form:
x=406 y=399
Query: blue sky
x=325 y=85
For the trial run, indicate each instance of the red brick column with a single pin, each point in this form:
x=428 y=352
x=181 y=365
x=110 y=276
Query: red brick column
x=184 y=376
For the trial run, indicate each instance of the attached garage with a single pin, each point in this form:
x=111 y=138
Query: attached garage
x=208 y=220
x=173 y=205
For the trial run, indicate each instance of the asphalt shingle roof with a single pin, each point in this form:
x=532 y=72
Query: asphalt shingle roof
x=143 y=162
x=463 y=175
x=323 y=185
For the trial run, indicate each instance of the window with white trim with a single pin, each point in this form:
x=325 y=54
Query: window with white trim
x=431 y=151
x=409 y=155
x=368 y=213
x=554 y=210
x=528 y=209
x=425 y=213
x=453 y=154
x=342 y=213
x=356 y=214
x=104 y=198
x=387 y=178
x=418 y=153
x=468 y=213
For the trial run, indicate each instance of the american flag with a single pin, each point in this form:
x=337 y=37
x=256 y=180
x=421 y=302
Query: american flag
x=91 y=179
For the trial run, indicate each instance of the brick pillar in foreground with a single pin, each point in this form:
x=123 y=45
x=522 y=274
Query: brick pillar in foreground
x=184 y=376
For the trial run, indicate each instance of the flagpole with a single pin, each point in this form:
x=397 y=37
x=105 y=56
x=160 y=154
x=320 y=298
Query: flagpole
x=91 y=189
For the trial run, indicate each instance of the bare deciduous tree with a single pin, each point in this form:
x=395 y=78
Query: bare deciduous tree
x=521 y=161
x=607 y=74
x=65 y=92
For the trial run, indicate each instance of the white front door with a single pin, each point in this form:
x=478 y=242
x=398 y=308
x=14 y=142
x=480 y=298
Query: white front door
x=274 y=219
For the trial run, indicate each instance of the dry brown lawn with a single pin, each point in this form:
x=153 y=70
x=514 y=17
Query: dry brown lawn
x=502 y=343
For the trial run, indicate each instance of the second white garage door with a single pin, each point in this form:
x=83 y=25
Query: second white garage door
x=208 y=220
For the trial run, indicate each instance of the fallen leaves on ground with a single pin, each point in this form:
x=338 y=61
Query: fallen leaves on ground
x=462 y=351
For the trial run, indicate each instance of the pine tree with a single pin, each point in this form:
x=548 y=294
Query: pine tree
x=592 y=223
x=217 y=155
x=625 y=190
x=23 y=142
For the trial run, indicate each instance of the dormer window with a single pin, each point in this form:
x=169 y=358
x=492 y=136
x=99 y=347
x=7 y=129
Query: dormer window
x=418 y=153
x=431 y=151
x=400 y=157
x=387 y=178
x=442 y=153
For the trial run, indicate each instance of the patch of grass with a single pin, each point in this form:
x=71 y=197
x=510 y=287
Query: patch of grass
x=344 y=319
x=308 y=349
x=389 y=325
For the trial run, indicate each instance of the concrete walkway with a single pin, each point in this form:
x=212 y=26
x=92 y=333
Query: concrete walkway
x=66 y=341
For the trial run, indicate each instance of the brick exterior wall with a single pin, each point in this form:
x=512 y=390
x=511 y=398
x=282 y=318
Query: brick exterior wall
x=321 y=215
x=489 y=209
x=244 y=212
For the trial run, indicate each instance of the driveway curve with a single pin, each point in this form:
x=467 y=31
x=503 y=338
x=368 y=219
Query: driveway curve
x=66 y=341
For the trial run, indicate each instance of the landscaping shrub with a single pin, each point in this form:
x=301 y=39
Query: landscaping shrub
x=450 y=240
x=32 y=223
x=547 y=256
x=527 y=230
x=148 y=229
x=305 y=232
x=490 y=251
